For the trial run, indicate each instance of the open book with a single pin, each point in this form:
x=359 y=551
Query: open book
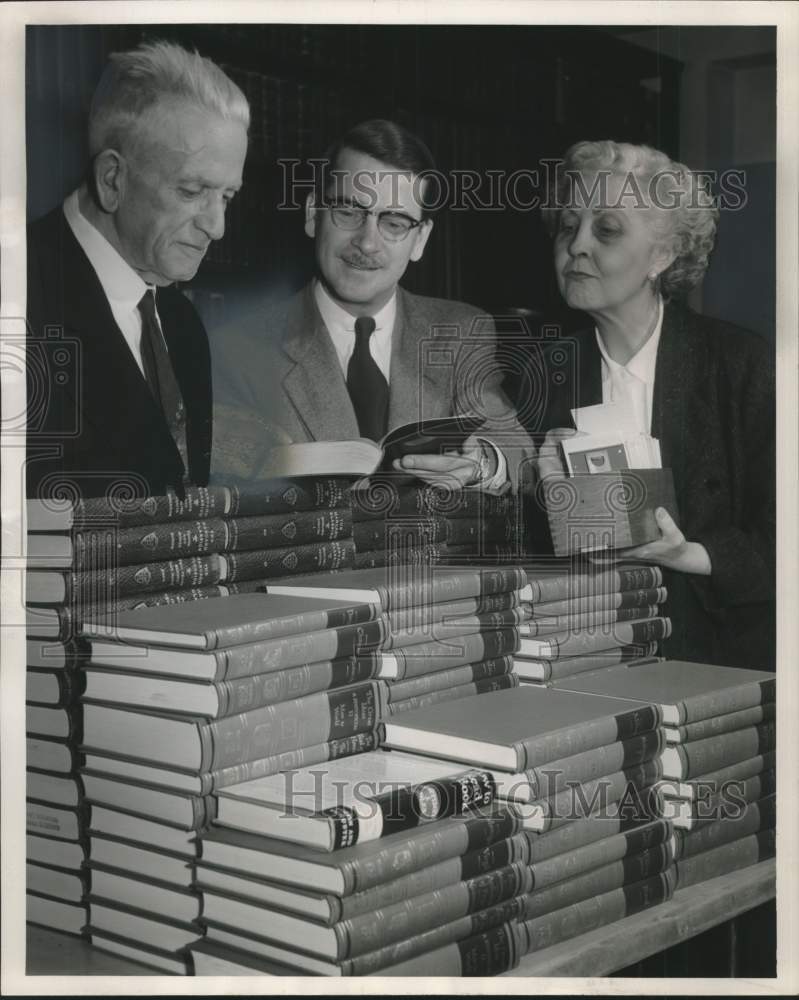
x=362 y=456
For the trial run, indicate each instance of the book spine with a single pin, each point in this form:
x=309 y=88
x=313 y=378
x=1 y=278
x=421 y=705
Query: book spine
x=290 y=725
x=721 y=702
x=422 y=616
x=57 y=822
x=104 y=586
x=431 y=878
x=282 y=496
x=105 y=614
x=570 y=666
x=579 y=918
x=441 y=680
x=198 y=502
x=721 y=724
x=488 y=953
x=603 y=637
x=408 y=592
x=370 y=536
x=565 y=866
x=412 y=661
x=588 y=620
x=551 y=778
x=590 y=798
x=571 y=585
x=756 y=816
x=107 y=547
x=424 y=555
x=297 y=650
x=414 y=916
x=428 y=846
x=64 y=722
x=456 y=628
x=403 y=808
x=605 y=878
x=383 y=500
x=729 y=800
x=454 y=693
x=291 y=625
x=69 y=686
x=280 y=530
x=730 y=857
x=268 y=563
x=565 y=742
x=246 y=693
x=704 y=756
x=602 y=602
x=291 y=760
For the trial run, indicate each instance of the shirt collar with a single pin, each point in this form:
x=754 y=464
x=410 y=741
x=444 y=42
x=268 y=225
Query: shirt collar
x=121 y=284
x=642 y=363
x=336 y=318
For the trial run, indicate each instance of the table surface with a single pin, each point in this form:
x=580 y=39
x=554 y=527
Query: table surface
x=598 y=953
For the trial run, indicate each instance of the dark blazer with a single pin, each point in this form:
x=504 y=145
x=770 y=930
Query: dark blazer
x=103 y=424
x=280 y=365
x=714 y=414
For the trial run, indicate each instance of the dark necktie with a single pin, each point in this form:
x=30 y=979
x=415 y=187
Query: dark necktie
x=366 y=383
x=160 y=376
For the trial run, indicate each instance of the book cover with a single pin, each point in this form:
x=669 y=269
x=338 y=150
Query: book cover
x=517 y=729
x=242 y=618
x=687 y=692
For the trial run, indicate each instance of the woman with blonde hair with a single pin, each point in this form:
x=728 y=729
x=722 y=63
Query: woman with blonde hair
x=633 y=232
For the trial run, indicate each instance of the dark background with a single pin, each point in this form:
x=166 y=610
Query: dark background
x=484 y=98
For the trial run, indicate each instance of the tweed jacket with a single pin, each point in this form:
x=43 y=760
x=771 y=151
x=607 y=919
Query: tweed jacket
x=714 y=414
x=282 y=368
x=102 y=427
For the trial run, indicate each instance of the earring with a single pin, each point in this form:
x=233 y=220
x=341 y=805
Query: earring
x=653 y=276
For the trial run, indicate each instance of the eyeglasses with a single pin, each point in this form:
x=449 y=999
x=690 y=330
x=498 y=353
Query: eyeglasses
x=392 y=226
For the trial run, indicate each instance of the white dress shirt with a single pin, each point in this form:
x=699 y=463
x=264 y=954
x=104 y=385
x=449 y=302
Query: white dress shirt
x=633 y=384
x=341 y=327
x=122 y=285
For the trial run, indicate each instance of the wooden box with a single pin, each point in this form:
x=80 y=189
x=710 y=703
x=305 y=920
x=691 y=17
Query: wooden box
x=611 y=510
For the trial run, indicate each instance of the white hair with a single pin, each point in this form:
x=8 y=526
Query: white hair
x=134 y=82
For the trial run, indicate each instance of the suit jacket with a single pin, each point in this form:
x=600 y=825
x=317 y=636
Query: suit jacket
x=102 y=426
x=281 y=367
x=714 y=414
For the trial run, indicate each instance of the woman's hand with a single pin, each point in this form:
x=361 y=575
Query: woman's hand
x=670 y=550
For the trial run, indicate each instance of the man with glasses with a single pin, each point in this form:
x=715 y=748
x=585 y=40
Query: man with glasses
x=354 y=354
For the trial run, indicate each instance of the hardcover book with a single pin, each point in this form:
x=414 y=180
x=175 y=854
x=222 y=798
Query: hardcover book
x=518 y=729
x=686 y=692
x=354 y=799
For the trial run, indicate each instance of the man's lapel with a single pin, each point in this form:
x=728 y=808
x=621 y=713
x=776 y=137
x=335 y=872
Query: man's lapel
x=114 y=390
x=420 y=388
x=315 y=383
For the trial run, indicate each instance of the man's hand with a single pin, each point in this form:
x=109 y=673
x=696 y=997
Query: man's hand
x=670 y=550
x=468 y=467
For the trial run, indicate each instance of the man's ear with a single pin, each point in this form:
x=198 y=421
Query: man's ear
x=421 y=236
x=110 y=174
x=310 y=215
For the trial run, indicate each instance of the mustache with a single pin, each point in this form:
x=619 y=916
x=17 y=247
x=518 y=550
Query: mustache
x=361 y=260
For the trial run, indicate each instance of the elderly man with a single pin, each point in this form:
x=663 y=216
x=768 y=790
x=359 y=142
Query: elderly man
x=167 y=140
x=353 y=354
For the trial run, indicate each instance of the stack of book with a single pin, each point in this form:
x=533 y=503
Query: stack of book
x=406 y=521
x=57 y=886
x=187 y=699
x=346 y=869
x=143 y=552
x=579 y=770
x=718 y=767
x=451 y=632
x=585 y=618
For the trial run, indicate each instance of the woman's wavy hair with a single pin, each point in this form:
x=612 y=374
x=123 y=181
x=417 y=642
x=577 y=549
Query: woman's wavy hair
x=685 y=219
